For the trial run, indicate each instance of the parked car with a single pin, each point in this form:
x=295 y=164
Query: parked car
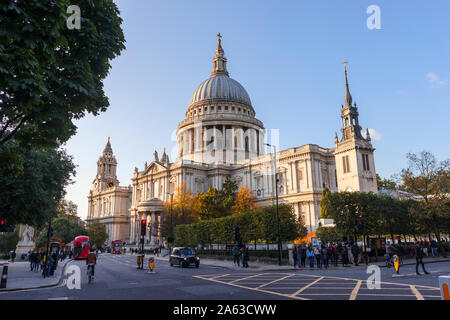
x=184 y=257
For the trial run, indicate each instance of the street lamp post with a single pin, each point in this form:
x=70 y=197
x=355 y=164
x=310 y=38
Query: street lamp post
x=276 y=201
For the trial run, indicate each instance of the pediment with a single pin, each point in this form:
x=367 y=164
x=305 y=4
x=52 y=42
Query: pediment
x=154 y=167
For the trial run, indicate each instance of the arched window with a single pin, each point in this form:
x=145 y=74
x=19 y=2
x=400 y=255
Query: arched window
x=236 y=142
x=346 y=121
x=246 y=144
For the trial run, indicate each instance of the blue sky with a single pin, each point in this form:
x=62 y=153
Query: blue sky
x=288 y=55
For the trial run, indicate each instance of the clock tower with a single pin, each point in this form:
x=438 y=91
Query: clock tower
x=106 y=170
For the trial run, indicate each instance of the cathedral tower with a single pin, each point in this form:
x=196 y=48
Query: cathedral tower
x=106 y=170
x=355 y=165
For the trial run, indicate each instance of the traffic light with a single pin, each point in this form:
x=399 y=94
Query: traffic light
x=143 y=227
x=5 y=227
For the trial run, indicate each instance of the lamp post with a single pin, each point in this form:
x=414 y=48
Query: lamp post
x=171 y=221
x=276 y=201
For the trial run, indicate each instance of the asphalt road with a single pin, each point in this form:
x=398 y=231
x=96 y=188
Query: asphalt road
x=117 y=278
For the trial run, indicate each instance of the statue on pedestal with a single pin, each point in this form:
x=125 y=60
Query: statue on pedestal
x=26 y=243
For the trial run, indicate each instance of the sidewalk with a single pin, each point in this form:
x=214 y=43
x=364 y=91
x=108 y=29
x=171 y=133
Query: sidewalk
x=228 y=264
x=20 y=277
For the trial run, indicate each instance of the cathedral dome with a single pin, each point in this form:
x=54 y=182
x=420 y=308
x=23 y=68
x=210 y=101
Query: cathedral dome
x=220 y=88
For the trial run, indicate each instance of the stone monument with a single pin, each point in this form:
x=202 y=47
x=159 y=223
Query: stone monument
x=26 y=243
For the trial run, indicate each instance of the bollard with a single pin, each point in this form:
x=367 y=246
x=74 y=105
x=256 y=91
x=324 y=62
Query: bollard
x=151 y=263
x=4 y=275
x=444 y=284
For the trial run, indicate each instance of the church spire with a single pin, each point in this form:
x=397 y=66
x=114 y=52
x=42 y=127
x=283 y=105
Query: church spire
x=348 y=96
x=219 y=61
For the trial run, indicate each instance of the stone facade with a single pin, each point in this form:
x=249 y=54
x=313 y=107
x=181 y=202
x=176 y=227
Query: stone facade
x=220 y=139
x=108 y=202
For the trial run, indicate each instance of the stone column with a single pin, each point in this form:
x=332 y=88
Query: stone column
x=152 y=229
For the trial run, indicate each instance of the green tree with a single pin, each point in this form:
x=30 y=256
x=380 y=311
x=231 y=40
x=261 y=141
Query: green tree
x=430 y=179
x=329 y=234
x=97 y=234
x=51 y=75
x=8 y=240
x=386 y=184
x=68 y=209
x=32 y=196
x=62 y=229
x=325 y=204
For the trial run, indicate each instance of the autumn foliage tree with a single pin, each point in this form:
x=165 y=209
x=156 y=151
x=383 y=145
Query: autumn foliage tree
x=181 y=208
x=245 y=200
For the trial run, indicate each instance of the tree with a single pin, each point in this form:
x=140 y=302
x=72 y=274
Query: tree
x=428 y=178
x=182 y=209
x=49 y=74
x=386 y=184
x=8 y=240
x=63 y=229
x=325 y=204
x=329 y=234
x=32 y=196
x=291 y=227
x=68 y=209
x=245 y=200
x=97 y=234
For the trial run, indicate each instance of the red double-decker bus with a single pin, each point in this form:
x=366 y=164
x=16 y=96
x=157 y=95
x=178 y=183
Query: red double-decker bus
x=81 y=247
x=116 y=246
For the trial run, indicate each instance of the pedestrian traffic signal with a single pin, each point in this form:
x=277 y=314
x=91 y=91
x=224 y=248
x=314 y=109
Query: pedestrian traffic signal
x=5 y=227
x=143 y=227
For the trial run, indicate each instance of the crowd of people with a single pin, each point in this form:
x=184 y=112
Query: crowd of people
x=37 y=261
x=325 y=255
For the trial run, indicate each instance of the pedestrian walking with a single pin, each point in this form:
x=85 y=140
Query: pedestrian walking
x=355 y=252
x=317 y=254
x=324 y=257
x=295 y=256
x=434 y=248
x=335 y=254
x=344 y=253
x=303 y=255
x=235 y=252
x=246 y=254
x=299 y=256
x=310 y=255
x=418 y=252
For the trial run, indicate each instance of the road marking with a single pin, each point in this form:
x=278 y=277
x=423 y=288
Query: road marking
x=276 y=280
x=245 y=278
x=355 y=290
x=416 y=292
x=307 y=286
x=220 y=276
x=254 y=289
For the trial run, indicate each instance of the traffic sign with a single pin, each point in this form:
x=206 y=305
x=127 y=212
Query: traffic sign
x=151 y=263
x=396 y=262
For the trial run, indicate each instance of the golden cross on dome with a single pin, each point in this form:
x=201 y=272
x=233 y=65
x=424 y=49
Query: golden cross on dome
x=345 y=62
x=218 y=35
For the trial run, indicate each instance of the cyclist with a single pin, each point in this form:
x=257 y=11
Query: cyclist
x=91 y=261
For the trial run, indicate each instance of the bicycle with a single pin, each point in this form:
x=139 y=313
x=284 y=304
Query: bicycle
x=390 y=260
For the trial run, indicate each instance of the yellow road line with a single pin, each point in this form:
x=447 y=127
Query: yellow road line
x=355 y=290
x=254 y=289
x=416 y=292
x=307 y=286
x=276 y=280
x=244 y=278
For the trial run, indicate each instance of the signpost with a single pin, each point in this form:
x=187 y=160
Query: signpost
x=396 y=263
x=151 y=263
